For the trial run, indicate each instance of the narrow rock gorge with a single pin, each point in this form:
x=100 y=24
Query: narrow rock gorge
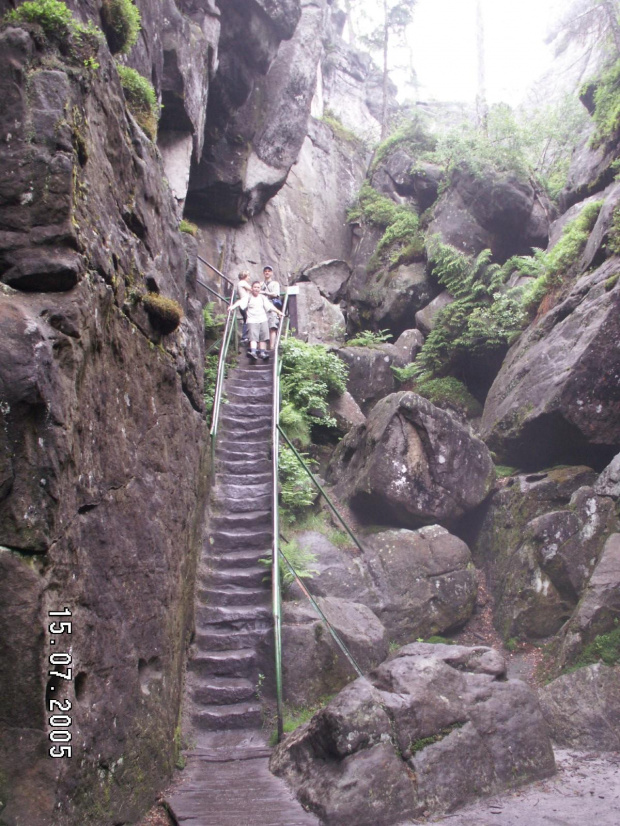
x=465 y=314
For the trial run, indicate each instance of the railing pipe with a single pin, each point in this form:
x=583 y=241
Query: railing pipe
x=321 y=489
x=276 y=599
x=215 y=269
x=214 y=292
x=231 y=319
x=317 y=608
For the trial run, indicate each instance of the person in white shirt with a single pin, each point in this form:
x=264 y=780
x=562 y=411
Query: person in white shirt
x=257 y=306
x=244 y=288
x=271 y=289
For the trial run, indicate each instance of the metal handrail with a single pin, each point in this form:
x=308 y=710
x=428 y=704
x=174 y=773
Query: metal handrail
x=215 y=269
x=277 y=551
x=231 y=321
x=276 y=600
x=215 y=293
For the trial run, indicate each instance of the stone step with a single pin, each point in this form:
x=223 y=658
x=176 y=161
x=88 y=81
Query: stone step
x=242 y=466
x=230 y=484
x=250 y=576
x=243 y=445
x=245 y=428
x=238 y=662
x=239 y=560
x=247 y=372
x=249 y=502
x=217 y=640
x=242 y=521
x=223 y=690
x=239 y=715
x=233 y=595
x=250 y=394
x=248 y=412
x=240 y=540
x=258 y=450
x=229 y=618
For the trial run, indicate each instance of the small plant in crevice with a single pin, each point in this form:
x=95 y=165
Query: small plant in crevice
x=188 y=227
x=213 y=321
x=295 y=716
x=297 y=491
x=366 y=338
x=165 y=314
x=210 y=380
x=121 y=21
x=141 y=99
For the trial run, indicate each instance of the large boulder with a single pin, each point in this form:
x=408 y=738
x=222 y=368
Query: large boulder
x=329 y=277
x=391 y=298
x=313 y=665
x=599 y=608
x=426 y=317
x=553 y=401
x=315 y=319
x=538 y=541
x=423 y=582
x=431 y=728
x=608 y=483
x=591 y=170
x=370 y=376
x=503 y=214
x=548 y=570
x=582 y=709
x=411 y=464
x=418 y=583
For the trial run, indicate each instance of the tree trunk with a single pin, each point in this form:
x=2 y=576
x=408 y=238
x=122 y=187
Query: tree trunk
x=481 y=97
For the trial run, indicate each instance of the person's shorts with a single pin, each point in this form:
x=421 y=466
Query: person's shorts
x=273 y=320
x=258 y=331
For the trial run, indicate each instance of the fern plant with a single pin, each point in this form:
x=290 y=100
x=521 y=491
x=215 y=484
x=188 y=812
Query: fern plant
x=366 y=338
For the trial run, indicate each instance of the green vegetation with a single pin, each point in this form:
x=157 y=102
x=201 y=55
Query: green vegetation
x=607 y=105
x=503 y=471
x=309 y=374
x=366 y=338
x=58 y=24
x=447 y=392
x=214 y=322
x=210 y=380
x=613 y=237
x=188 y=227
x=165 y=314
x=141 y=99
x=572 y=242
x=605 y=648
x=401 y=241
x=295 y=716
x=296 y=489
x=340 y=130
x=412 y=136
x=423 y=742
x=121 y=21
x=302 y=561
x=436 y=639
x=485 y=316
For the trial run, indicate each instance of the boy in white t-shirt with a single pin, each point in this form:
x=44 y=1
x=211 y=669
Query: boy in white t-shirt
x=257 y=306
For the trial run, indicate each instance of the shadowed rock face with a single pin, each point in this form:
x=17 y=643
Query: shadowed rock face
x=258 y=106
x=410 y=464
x=429 y=729
x=101 y=442
x=504 y=215
x=557 y=397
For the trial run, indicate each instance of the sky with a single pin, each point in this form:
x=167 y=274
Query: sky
x=444 y=53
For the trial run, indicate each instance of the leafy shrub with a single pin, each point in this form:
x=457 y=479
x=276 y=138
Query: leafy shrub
x=449 y=392
x=604 y=648
x=58 y=24
x=309 y=373
x=295 y=424
x=165 y=314
x=214 y=322
x=141 y=99
x=210 y=380
x=302 y=561
x=607 y=105
x=572 y=242
x=366 y=338
x=412 y=136
x=296 y=488
x=401 y=240
x=121 y=22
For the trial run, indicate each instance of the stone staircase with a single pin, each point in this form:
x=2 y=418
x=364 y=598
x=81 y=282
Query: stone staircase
x=233 y=605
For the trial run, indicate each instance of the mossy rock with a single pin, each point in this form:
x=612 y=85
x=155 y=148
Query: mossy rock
x=165 y=314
